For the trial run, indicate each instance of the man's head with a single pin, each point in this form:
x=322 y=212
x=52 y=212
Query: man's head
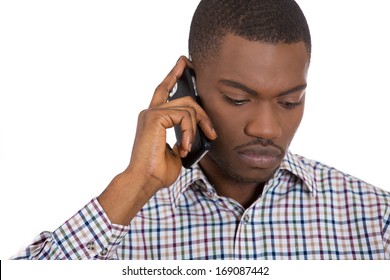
x=251 y=60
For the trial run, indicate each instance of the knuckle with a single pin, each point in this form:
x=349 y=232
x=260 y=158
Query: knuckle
x=188 y=114
x=192 y=111
x=188 y=130
x=143 y=113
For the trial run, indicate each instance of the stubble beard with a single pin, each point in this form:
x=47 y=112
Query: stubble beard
x=230 y=172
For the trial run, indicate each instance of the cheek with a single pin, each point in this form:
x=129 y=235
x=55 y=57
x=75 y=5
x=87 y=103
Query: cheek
x=290 y=122
x=228 y=124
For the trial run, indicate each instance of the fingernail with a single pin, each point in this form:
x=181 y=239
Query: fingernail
x=190 y=147
x=180 y=58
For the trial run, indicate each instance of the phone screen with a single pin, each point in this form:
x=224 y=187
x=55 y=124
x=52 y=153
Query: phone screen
x=186 y=86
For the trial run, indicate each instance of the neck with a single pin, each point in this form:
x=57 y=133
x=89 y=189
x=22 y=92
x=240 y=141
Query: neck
x=242 y=192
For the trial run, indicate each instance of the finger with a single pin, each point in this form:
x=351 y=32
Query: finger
x=184 y=106
x=168 y=118
x=174 y=154
x=162 y=91
x=201 y=118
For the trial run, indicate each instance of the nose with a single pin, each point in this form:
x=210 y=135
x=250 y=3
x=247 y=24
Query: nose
x=263 y=122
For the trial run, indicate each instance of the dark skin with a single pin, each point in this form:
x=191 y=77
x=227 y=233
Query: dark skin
x=253 y=99
x=254 y=95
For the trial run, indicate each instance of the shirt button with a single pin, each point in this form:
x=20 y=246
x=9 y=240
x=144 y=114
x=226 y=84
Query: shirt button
x=104 y=252
x=246 y=219
x=90 y=246
x=211 y=195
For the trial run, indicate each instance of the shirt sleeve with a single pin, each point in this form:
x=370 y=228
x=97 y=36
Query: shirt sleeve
x=89 y=234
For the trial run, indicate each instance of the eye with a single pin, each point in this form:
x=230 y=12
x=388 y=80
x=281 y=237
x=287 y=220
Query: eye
x=235 y=102
x=290 y=105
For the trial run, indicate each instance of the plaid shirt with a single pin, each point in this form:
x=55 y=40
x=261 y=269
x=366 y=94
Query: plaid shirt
x=306 y=211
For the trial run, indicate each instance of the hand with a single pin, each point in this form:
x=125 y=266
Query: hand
x=155 y=165
x=152 y=156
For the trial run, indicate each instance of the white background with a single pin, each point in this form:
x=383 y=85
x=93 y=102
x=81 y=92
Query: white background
x=75 y=74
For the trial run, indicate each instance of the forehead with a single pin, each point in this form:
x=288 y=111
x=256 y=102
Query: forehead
x=259 y=62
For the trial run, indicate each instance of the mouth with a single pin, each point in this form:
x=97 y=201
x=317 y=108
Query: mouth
x=263 y=157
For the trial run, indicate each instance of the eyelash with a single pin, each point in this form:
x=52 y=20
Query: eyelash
x=290 y=105
x=236 y=102
x=284 y=104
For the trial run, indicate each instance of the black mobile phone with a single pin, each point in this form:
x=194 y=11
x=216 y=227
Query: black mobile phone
x=186 y=86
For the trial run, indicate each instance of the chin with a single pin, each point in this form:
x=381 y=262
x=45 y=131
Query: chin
x=239 y=172
x=258 y=176
x=245 y=174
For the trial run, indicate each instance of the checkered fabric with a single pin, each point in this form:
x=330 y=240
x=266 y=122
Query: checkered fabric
x=306 y=211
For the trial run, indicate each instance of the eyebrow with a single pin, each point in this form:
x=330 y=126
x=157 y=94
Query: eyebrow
x=252 y=92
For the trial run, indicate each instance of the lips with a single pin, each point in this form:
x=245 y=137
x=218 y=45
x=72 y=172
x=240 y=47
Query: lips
x=260 y=156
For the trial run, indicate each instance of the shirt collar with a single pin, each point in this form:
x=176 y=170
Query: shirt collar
x=296 y=165
x=189 y=177
x=195 y=176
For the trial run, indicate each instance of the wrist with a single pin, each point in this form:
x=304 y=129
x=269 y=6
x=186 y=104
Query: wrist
x=139 y=180
x=125 y=196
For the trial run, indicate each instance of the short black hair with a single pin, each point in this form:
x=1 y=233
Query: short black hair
x=269 y=21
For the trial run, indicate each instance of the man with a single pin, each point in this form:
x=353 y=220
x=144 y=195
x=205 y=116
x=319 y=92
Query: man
x=249 y=197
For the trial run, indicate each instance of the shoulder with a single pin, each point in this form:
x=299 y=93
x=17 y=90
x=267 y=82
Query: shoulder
x=330 y=179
